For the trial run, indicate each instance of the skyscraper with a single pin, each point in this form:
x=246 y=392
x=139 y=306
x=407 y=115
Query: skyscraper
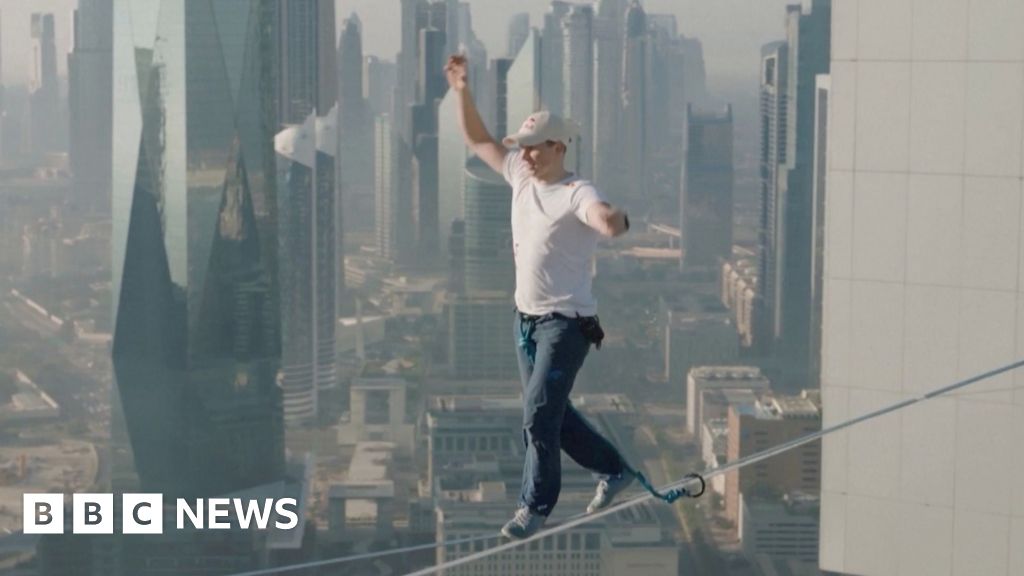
x=327 y=243
x=381 y=81
x=489 y=261
x=307 y=59
x=553 y=47
x=498 y=78
x=308 y=85
x=384 y=150
x=706 y=200
x=478 y=342
x=425 y=208
x=578 y=74
x=922 y=289
x=608 y=146
x=431 y=88
x=809 y=38
x=636 y=80
x=415 y=17
x=823 y=91
x=676 y=79
x=451 y=163
x=451 y=29
x=44 y=131
x=197 y=339
x=297 y=156
x=431 y=83
x=355 y=151
x=664 y=96
x=774 y=132
x=787 y=171
x=518 y=32
x=90 y=97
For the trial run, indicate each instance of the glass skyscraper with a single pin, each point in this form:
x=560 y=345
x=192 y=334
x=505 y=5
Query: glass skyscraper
x=197 y=334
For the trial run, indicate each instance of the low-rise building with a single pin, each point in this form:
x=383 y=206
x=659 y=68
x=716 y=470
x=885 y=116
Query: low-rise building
x=701 y=378
x=762 y=424
x=785 y=529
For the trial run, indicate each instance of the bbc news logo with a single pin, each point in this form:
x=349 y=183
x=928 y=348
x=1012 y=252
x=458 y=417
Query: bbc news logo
x=144 y=513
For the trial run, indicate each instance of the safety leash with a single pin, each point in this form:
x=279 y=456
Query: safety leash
x=670 y=496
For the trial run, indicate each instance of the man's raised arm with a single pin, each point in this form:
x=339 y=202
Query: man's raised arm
x=473 y=130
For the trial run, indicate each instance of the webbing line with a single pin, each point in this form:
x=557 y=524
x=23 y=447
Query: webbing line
x=679 y=484
x=728 y=467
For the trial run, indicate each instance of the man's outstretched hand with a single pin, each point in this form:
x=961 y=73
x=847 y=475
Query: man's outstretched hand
x=455 y=71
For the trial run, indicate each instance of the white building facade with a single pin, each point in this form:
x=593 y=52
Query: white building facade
x=922 y=288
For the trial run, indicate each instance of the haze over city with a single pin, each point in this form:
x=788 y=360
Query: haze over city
x=440 y=276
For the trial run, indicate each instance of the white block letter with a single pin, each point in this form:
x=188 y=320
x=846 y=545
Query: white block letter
x=219 y=509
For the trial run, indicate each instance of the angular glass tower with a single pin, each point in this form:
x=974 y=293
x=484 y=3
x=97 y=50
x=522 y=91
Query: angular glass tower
x=197 y=333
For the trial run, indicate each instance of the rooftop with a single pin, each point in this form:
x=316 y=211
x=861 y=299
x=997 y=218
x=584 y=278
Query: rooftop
x=370 y=462
x=726 y=373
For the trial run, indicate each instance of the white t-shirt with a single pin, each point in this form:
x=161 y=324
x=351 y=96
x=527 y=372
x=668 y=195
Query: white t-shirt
x=552 y=243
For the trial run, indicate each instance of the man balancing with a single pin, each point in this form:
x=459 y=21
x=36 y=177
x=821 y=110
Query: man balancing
x=556 y=220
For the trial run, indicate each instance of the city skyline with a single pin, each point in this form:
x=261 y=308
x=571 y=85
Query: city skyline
x=713 y=22
x=279 y=269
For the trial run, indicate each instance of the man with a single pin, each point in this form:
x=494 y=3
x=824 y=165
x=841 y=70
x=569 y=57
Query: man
x=556 y=221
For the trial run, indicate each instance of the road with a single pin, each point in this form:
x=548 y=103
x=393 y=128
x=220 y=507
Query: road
x=76 y=376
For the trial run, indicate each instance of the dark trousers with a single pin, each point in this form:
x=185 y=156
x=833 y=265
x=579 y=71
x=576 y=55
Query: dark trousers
x=551 y=350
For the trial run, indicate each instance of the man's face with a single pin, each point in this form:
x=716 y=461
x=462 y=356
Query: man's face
x=545 y=159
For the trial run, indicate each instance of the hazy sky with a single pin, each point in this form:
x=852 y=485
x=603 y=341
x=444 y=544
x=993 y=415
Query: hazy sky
x=732 y=31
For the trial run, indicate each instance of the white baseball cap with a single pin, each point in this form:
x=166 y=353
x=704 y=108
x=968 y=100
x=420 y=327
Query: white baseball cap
x=541 y=127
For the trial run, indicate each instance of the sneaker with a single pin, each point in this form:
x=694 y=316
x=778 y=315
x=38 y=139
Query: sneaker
x=524 y=524
x=607 y=490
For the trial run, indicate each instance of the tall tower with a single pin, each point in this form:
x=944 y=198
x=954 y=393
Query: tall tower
x=635 y=81
x=489 y=260
x=578 y=73
x=197 y=341
x=44 y=93
x=787 y=109
x=384 y=150
x=553 y=47
x=355 y=156
x=706 y=202
x=326 y=240
x=90 y=97
x=608 y=146
x=415 y=17
x=307 y=59
x=297 y=156
x=809 y=37
x=476 y=347
x=773 y=111
x=308 y=85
